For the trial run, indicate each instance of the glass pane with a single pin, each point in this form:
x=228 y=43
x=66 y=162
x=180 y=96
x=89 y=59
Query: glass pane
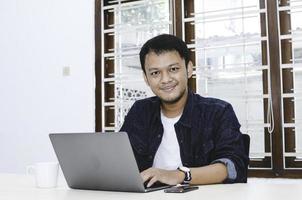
x=297 y=72
x=135 y=23
x=229 y=61
x=129 y=86
x=292 y=79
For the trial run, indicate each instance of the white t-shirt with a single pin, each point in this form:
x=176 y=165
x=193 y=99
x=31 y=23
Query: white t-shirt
x=168 y=154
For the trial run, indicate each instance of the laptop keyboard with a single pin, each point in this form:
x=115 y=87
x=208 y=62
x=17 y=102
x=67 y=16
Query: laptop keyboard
x=155 y=185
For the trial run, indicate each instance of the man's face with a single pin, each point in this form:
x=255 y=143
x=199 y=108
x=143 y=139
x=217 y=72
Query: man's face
x=167 y=76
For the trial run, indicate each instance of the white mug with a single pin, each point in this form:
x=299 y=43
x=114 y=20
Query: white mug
x=46 y=174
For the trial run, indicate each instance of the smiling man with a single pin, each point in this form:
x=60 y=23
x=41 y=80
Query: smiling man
x=178 y=136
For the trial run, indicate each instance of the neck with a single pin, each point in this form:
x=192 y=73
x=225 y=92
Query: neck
x=174 y=109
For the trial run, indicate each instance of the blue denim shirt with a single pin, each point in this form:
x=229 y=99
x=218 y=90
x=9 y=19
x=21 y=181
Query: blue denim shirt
x=207 y=131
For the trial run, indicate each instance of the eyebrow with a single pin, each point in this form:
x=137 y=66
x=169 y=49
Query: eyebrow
x=170 y=65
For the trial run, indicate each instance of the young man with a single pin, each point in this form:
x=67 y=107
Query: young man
x=178 y=136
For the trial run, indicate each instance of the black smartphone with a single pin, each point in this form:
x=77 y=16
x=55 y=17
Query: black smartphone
x=180 y=189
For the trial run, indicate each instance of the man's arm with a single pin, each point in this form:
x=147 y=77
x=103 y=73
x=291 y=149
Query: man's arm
x=229 y=146
x=210 y=174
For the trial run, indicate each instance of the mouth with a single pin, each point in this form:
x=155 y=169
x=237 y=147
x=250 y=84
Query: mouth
x=168 y=88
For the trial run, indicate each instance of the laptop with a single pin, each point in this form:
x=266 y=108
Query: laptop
x=99 y=161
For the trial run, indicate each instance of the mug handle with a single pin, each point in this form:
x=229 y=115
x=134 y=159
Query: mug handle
x=30 y=169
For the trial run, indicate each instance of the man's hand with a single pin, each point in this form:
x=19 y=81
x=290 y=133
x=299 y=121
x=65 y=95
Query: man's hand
x=170 y=177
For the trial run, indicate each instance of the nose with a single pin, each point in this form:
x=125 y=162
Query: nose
x=166 y=77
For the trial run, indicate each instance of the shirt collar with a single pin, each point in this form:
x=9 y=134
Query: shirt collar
x=186 y=117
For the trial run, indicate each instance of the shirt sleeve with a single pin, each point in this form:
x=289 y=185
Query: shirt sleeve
x=229 y=144
x=232 y=173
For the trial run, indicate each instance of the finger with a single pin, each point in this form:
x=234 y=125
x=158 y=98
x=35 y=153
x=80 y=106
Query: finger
x=146 y=175
x=152 y=181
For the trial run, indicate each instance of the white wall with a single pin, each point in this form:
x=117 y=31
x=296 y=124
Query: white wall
x=37 y=39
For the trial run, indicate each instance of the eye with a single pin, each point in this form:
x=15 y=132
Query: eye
x=154 y=73
x=174 y=69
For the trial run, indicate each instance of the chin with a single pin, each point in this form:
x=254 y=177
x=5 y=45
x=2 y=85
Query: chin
x=171 y=100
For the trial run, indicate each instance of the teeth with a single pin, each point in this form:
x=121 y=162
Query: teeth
x=168 y=89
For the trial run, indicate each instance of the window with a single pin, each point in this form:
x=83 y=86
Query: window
x=247 y=52
x=290 y=42
x=126 y=26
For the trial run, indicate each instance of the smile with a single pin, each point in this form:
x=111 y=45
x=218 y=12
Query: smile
x=168 y=88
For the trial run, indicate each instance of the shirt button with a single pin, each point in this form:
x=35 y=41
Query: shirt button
x=150 y=157
x=159 y=136
x=181 y=141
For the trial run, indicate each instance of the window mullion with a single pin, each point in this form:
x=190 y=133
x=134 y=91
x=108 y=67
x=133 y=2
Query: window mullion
x=275 y=83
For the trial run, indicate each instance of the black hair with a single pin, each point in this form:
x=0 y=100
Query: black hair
x=164 y=43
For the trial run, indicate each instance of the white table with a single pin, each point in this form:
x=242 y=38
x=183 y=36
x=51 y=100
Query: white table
x=21 y=187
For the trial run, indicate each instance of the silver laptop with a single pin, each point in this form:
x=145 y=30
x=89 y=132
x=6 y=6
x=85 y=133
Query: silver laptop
x=99 y=161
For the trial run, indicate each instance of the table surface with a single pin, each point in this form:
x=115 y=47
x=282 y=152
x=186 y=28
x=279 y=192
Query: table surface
x=22 y=187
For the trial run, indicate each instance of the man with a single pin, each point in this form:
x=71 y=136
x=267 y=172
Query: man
x=179 y=136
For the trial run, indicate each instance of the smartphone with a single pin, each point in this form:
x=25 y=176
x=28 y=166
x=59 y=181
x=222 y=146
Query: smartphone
x=180 y=189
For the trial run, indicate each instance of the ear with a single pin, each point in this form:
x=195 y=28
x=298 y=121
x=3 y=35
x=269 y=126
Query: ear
x=190 y=69
x=146 y=79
